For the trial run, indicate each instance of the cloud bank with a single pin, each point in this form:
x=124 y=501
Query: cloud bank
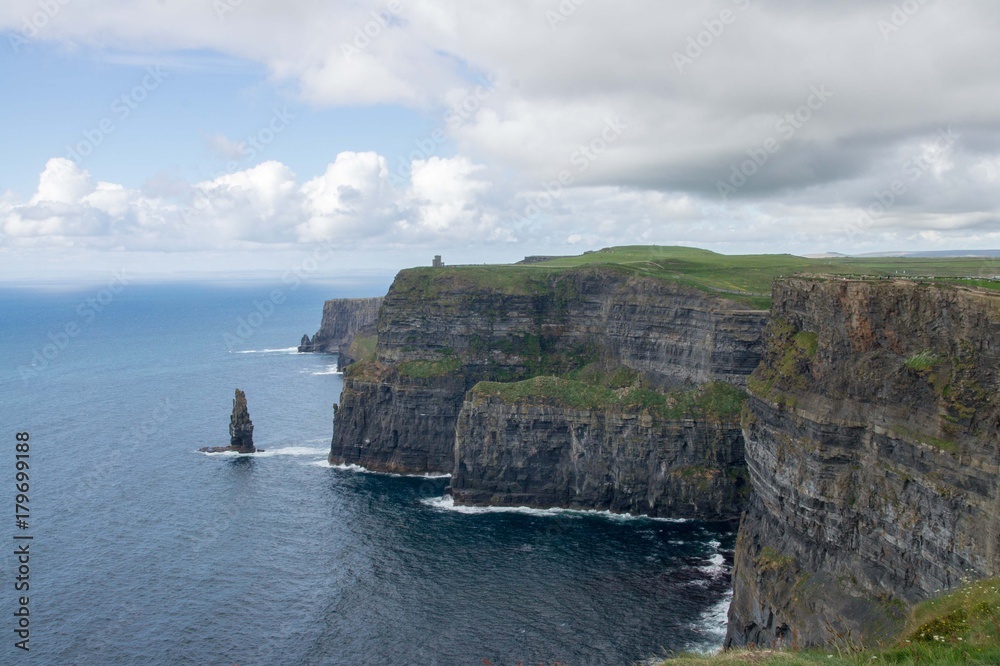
x=740 y=125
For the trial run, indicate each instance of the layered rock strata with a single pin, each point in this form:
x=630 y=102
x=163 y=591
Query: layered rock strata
x=872 y=445
x=545 y=455
x=440 y=331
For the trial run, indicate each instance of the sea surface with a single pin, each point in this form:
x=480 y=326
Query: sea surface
x=145 y=551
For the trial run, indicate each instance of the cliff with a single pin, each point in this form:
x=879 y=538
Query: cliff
x=871 y=443
x=537 y=450
x=345 y=321
x=441 y=331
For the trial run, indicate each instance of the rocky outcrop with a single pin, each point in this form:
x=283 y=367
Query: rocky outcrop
x=400 y=425
x=344 y=320
x=240 y=429
x=545 y=455
x=240 y=425
x=440 y=331
x=871 y=441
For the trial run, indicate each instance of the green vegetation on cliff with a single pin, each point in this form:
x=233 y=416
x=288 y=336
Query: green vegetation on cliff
x=716 y=401
x=362 y=347
x=962 y=627
x=786 y=363
x=743 y=278
x=924 y=360
x=427 y=369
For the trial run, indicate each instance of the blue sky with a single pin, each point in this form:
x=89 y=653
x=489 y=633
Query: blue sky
x=62 y=94
x=192 y=137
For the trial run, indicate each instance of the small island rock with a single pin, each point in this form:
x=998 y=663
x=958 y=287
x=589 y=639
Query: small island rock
x=240 y=429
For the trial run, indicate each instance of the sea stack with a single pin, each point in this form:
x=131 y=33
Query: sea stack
x=240 y=429
x=240 y=425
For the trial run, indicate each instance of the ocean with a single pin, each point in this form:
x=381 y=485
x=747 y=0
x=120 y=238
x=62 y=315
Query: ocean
x=145 y=551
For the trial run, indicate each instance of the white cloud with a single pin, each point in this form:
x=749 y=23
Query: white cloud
x=352 y=202
x=257 y=204
x=352 y=199
x=224 y=147
x=557 y=86
x=62 y=181
x=446 y=194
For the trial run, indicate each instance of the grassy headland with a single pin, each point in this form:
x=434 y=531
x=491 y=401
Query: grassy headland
x=743 y=278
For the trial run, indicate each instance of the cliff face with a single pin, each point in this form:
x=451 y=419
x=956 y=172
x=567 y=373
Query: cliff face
x=547 y=455
x=399 y=425
x=344 y=320
x=441 y=331
x=675 y=334
x=871 y=442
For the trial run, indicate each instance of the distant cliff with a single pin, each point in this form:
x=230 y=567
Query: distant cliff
x=871 y=436
x=528 y=447
x=441 y=331
x=344 y=321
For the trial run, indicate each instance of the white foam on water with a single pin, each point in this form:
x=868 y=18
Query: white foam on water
x=447 y=503
x=269 y=453
x=364 y=470
x=285 y=350
x=717 y=565
x=330 y=370
x=292 y=451
x=712 y=624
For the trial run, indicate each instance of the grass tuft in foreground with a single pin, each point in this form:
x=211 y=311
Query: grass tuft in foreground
x=959 y=628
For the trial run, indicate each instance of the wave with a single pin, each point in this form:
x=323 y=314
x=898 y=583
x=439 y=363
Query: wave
x=294 y=451
x=270 y=453
x=364 y=470
x=330 y=370
x=447 y=503
x=286 y=350
x=716 y=566
x=224 y=454
x=712 y=624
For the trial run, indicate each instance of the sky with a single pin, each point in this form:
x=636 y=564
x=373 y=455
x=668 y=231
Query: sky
x=173 y=138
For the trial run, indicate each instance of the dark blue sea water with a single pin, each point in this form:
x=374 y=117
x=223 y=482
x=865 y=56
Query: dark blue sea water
x=145 y=551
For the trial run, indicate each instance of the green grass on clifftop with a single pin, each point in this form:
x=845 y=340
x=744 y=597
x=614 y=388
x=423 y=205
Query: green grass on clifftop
x=716 y=401
x=962 y=627
x=743 y=278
